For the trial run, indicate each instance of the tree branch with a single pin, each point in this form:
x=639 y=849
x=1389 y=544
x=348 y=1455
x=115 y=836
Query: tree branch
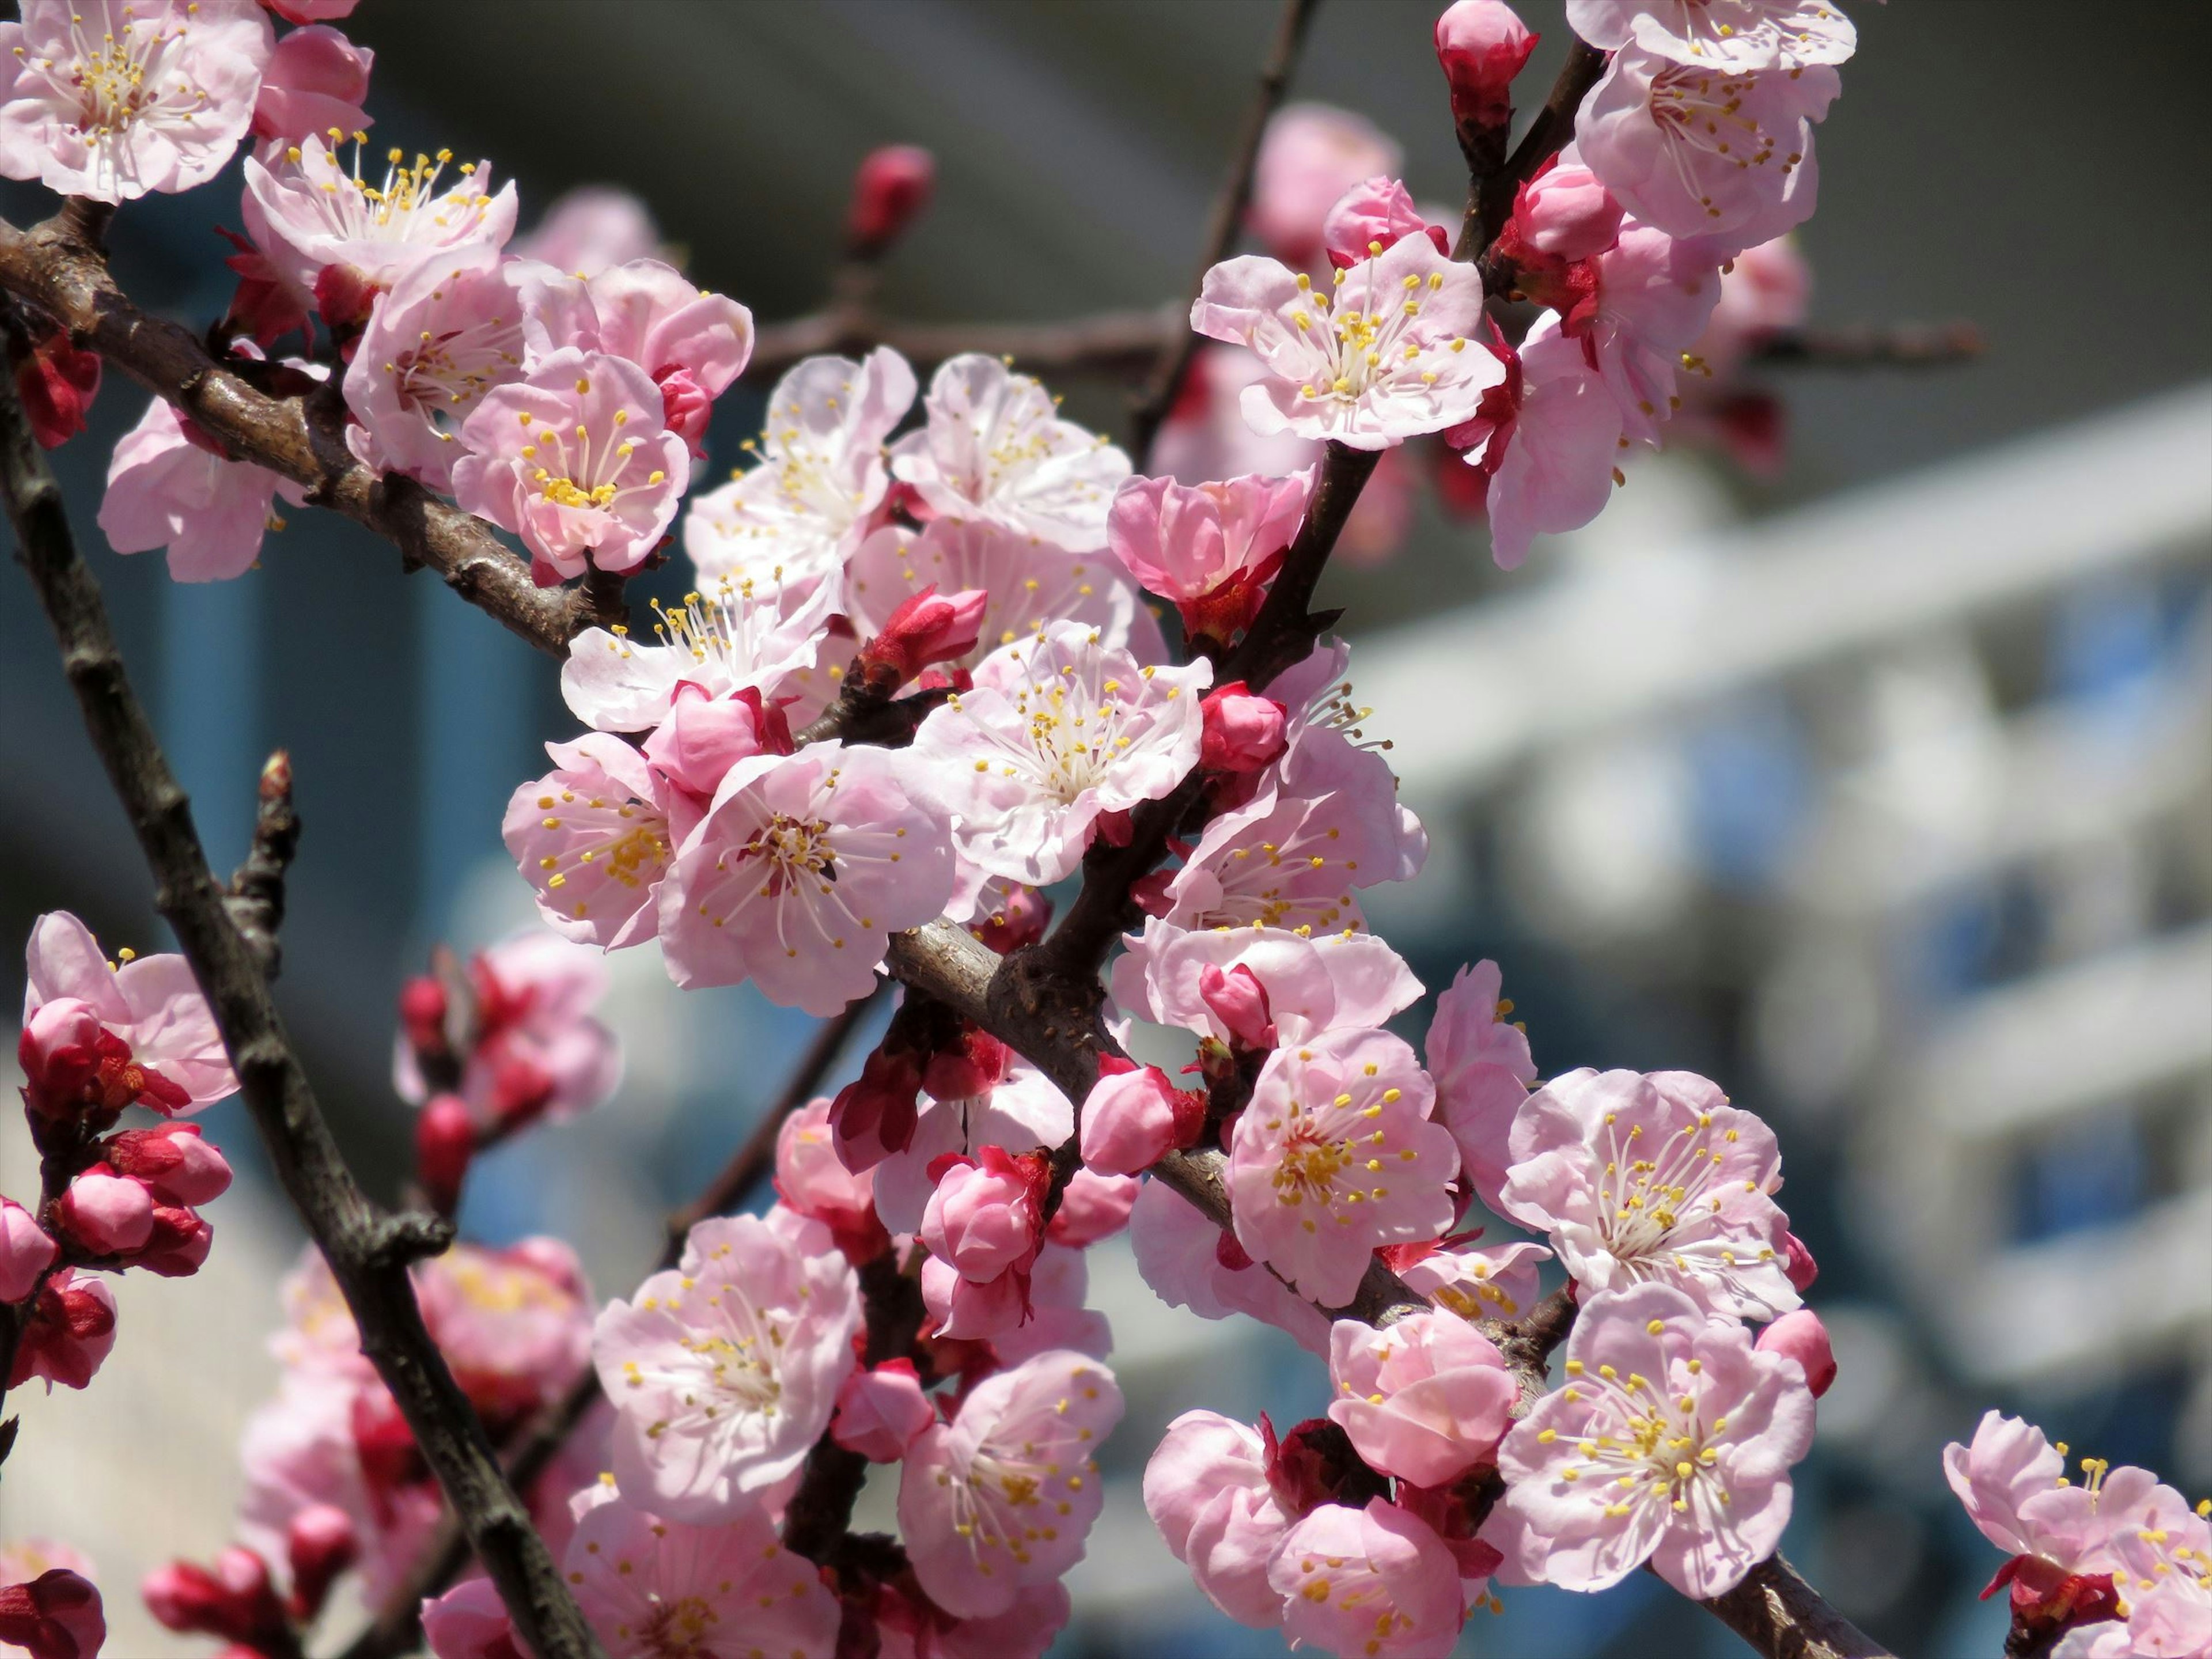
x=369 y=1252
x=1118 y=342
x=1490 y=196
x=256 y=899
x=1783 y=1617
x=1872 y=345
x=1236 y=195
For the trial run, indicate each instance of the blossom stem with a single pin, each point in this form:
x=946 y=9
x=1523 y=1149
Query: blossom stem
x=1490 y=196
x=369 y=1252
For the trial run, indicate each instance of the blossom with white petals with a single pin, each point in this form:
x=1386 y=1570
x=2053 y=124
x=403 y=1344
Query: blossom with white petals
x=151 y=1004
x=1378 y=354
x=1671 y=1441
x=799 y=873
x=1653 y=1177
x=1732 y=35
x=1311 y=984
x=732 y=635
x=1030 y=582
x=1334 y=1156
x=1058 y=729
x=799 y=514
x=1206 y=1488
x=1003 y=1496
x=724 y=1371
x=995 y=448
x=109 y=99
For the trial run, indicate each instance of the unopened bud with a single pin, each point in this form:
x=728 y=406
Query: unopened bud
x=1373 y=216
x=175 y=1161
x=106 y=1213
x=56 y=1615
x=982 y=1215
x=1482 y=46
x=880 y=1411
x=423 y=1010
x=1800 y=1336
x=179 y=1244
x=687 y=407
x=320 y=1543
x=70 y=1331
x=973 y=1067
x=26 y=1252
x=1239 y=1001
x=56 y=383
x=1798 y=1263
x=874 y=1115
x=928 y=627
x=1133 y=1117
x=891 y=191
x=1242 y=731
x=445 y=1142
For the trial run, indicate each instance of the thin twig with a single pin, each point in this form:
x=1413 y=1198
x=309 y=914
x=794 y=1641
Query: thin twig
x=1236 y=195
x=1490 y=197
x=256 y=900
x=368 y=1253
x=1112 y=343
x=1871 y=345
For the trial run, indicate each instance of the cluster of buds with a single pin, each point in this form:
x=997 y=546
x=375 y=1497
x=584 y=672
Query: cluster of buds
x=234 y=1597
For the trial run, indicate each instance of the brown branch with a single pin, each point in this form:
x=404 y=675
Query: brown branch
x=1114 y=343
x=256 y=899
x=1872 y=345
x=58 y=268
x=1784 y=1618
x=369 y=1252
x=1490 y=197
x=1236 y=195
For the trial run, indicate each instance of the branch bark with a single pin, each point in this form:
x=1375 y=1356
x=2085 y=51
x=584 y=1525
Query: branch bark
x=369 y=1252
x=1490 y=196
x=1236 y=195
x=1783 y=1617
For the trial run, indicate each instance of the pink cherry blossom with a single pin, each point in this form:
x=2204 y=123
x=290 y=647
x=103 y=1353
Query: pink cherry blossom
x=2162 y=1575
x=1374 y=356
x=733 y=636
x=694 y=344
x=693 y=749
x=1334 y=1156
x=151 y=1003
x=983 y=1217
x=590 y=229
x=1698 y=149
x=1003 y=1496
x=307 y=214
x=1329 y=753
x=1763 y=289
x=102 y=99
x=1482 y=1069
x=1653 y=298
x=1671 y=1441
x=824 y=848
x=812 y=1180
x=576 y=459
x=725 y=1372
x=802 y=511
x=1028 y=582
x=1550 y=453
x=1800 y=1336
x=880 y=1410
x=1206 y=1488
x=470 y=1621
x=1024 y=1631
x=1057 y=730
x=1311 y=985
x=593 y=838
x=1092 y=1207
x=1732 y=35
x=449 y=330
x=654 y=1588
x=1373 y=216
x=1565 y=212
x=26 y=1252
x=168 y=486
x=1376 y=1581
x=1498 y=1281
x=514 y=1323
x=70 y=1333
x=995 y=448
x=1058 y=1317
x=316 y=80
x=1654 y=1177
x=1311 y=155
x=1482 y=46
x=1015 y=1107
x=1191 y=1263
x=1132 y=1118
x=1426 y=1399
x=1210 y=547
x=1286 y=861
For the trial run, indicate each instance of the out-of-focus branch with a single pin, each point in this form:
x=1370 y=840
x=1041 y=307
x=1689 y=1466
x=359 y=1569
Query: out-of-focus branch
x=1114 y=343
x=57 y=268
x=1236 y=195
x=1490 y=197
x=1872 y=345
x=369 y=1252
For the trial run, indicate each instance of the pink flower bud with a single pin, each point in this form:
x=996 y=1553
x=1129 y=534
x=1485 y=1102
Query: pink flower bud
x=1129 y=1121
x=1482 y=46
x=316 y=79
x=704 y=737
x=310 y=11
x=1800 y=1336
x=1243 y=731
x=423 y=1009
x=976 y=1067
x=1798 y=1263
x=971 y=1312
x=1093 y=1206
x=687 y=407
x=983 y=1217
x=881 y=1410
x=56 y=1615
x=445 y=1142
x=58 y=384
x=26 y=1252
x=175 y=1161
x=810 y=1178
x=1566 y=212
x=107 y=1213
x=179 y=1244
x=319 y=1543
x=470 y=1621
x=890 y=191
x=70 y=1333
x=1019 y=919
x=1370 y=217
x=926 y=628
x=60 y=1052
x=1239 y=1001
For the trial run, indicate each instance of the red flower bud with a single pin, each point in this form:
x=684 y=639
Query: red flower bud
x=70 y=1333
x=891 y=191
x=1802 y=1337
x=874 y=1115
x=422 y=1008
x=56 y=383
x=1482 y=46
x=179 y=1245
x=926 y=629
x=444 y=1141
x=320 y=1544
x=178 y=1163
x=1314 y=1464
x=1243 y=731
x=56 y=1616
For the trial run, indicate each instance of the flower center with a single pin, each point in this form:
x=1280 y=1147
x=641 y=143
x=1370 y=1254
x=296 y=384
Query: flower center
x=1360 y=348
x=1662 y=1448
x=111 y=78
x=1644 y=1200
x=448 y=372
x=575 y=468
x=678 y=1630
x=792 y=848
x=1308 y=1168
